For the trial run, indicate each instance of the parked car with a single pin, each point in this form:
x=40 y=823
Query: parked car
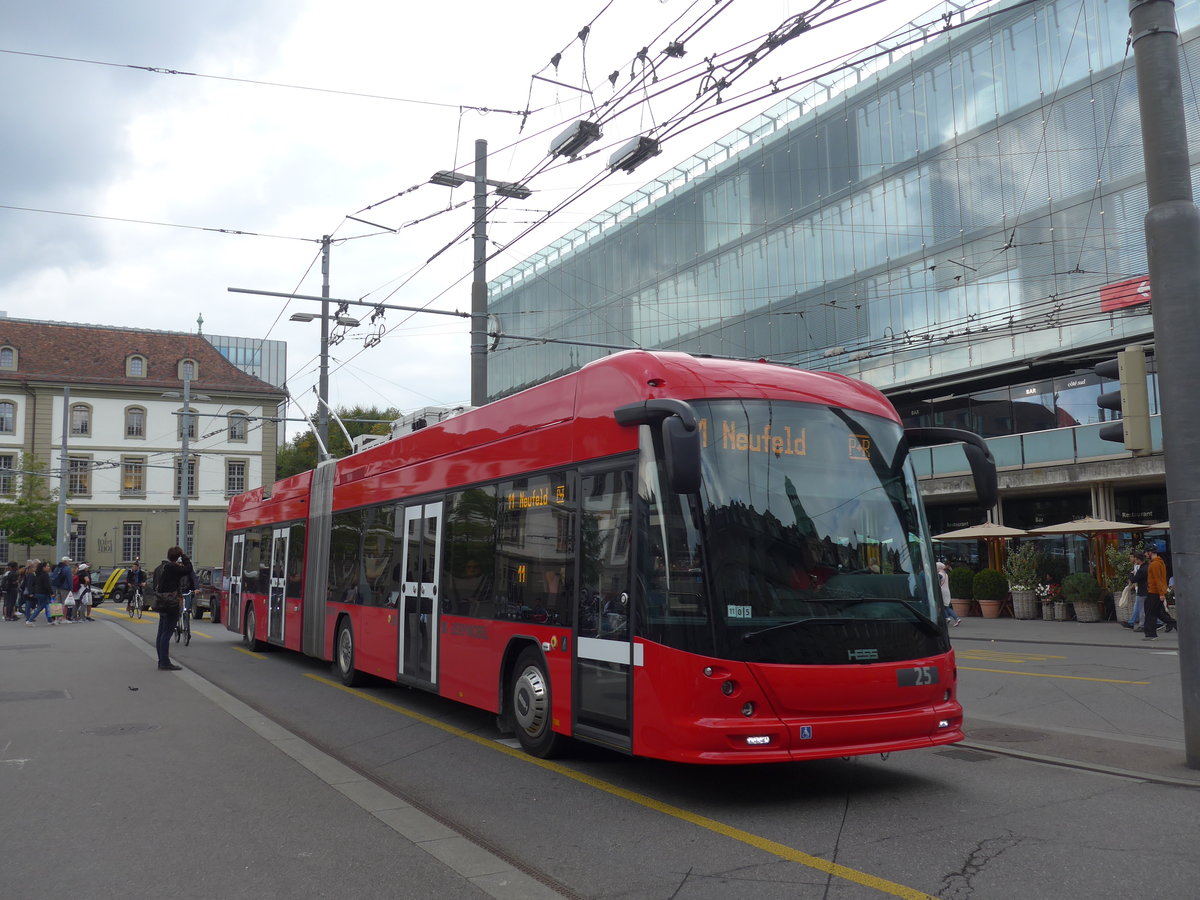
x=206 y=595
x=108 y=583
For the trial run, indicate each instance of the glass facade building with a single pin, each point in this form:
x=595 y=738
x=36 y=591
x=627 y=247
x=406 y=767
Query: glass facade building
x=957 y=221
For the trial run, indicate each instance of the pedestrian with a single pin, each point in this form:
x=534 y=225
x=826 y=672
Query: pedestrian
x=28 y=587
x=1137 y=577
x=10 y=589
x=1156 y=589
x=60 y=581
x=944 y=586
x=83 y=594
x=172 y=577
x=42 y=594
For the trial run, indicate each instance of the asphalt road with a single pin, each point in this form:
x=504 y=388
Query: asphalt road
x=260 y=775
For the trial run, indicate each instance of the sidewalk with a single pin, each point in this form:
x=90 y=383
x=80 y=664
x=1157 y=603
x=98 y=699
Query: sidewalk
x=122 y=780
x=1072 y=719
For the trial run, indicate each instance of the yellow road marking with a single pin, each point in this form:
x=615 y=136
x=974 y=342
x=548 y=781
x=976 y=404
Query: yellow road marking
x=1048 y=675
x=768 y=846
x=999 y=656
x=251 y=653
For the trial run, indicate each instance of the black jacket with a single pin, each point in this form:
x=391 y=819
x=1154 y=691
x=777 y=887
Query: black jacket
x=174 y=576
x=1138 y=579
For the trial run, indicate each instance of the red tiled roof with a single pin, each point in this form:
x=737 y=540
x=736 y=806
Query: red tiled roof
x=96 y=354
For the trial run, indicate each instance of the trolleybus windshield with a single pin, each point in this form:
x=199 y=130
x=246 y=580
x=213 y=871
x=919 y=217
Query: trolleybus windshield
x=811 y=525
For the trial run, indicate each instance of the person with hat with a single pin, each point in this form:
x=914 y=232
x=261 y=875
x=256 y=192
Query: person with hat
x=60 y=581
x=1156 y=589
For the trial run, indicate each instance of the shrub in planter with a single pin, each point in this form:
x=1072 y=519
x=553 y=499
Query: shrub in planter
x=989 y=585
x=1082 y=588
x=1021 y=567
x=961 y=580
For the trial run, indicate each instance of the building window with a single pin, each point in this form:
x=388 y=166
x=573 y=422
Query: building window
x=77 y=542
x=8 y=417
x=237 y=425
x=188 y=370
x=3 y=545
x=135 y=366
x=235 y=476
x=191 y=478
x=8 y=485
x=79 y=476
x=135 y=421
x=8 y=358
x=133 y=476
x=131 y=541
x=190 y=418
x=189 y=538
x=81 y=420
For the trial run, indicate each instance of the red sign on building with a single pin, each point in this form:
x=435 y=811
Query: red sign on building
x=1131 y=292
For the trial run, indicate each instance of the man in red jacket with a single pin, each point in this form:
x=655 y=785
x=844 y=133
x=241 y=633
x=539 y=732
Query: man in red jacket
x=1156 y=589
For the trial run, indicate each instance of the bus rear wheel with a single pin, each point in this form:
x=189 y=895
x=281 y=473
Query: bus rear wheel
x=343 y=656
x=529 y=708
x=248 y=638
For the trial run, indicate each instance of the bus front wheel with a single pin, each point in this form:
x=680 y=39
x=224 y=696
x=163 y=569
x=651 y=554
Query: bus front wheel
x=343 y=656
x=529 y=706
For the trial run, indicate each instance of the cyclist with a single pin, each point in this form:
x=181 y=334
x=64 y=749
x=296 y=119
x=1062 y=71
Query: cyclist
x=135 y=580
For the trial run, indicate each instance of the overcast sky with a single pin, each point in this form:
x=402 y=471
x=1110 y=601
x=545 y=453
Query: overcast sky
x=117 y=181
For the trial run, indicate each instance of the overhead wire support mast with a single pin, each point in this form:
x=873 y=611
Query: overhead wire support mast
x=418 y=309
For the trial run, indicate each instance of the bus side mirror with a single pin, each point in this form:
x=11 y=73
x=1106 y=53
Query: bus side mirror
x=979 y=457
x=680 y=433
x=681 y=450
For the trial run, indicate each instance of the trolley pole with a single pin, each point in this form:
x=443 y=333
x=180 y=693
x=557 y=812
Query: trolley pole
x=1172 y=248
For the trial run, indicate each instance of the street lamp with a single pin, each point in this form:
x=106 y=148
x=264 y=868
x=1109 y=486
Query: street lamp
x=479 y=280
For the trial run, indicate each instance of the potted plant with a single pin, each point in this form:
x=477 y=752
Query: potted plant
x=1084 y=593
x=1117 y=577
x=961 y=579
x=989 y=588
x=1021 y=567
x=1048 y=595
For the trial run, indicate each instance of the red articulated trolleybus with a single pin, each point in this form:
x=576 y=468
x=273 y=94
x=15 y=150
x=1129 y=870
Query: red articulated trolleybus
x=685 y=558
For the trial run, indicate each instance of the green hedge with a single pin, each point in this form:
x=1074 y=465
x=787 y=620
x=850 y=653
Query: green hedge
x=990 y=584
x=961 y=579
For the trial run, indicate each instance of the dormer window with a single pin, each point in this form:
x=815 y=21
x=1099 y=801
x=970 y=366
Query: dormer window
x=8 y=357
x=188 y=370
x=135 y=366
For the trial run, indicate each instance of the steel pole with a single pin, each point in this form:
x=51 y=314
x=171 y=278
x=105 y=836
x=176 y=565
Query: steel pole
x=64 y=459
x=184 y=489
x=479 y=282
x=323 y=380
x=1172 y=248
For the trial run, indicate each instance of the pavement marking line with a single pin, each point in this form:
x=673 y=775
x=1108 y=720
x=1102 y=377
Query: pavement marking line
x=1000 y=656
x=765 y=844
x=1047 y=675
x=249 y=652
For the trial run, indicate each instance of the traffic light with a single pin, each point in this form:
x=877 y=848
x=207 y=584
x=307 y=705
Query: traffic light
x=1131 y=401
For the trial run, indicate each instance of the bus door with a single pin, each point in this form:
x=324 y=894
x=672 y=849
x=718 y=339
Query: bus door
x=234 y=620
x=604 y=649
x=278 y=584
x=418 y=604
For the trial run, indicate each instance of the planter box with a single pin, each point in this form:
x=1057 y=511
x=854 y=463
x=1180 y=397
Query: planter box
x=1062 y=611
x=962 y=607
x=1047 y=612
x=1025 y=606
x=1089 y=612
x=991 y=608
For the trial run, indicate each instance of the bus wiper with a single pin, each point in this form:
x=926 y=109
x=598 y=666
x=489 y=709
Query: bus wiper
x=927 y=624
x=751 y=635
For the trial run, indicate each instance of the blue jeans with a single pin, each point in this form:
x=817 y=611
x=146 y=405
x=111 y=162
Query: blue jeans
x=40 y=602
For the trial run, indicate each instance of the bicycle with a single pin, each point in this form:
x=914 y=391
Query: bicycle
x=183 y=628
x=134 y=606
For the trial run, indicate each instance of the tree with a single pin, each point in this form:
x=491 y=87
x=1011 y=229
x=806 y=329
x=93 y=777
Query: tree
x=31 y=517
x=300 y=453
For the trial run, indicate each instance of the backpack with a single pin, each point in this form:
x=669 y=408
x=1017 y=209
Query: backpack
x=162 y=602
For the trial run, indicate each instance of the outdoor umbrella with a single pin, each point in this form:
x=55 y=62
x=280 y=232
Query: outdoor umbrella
x=1159 y=526
x=995 y=536
x=1090 y=527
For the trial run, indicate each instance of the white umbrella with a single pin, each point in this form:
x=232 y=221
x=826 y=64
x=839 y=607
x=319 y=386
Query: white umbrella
x=986 y=531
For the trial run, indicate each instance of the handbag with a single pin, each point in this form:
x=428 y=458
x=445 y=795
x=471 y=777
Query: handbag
x=167 y=603
x=1125 y=603
x=70 y=601
x=56 y=609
